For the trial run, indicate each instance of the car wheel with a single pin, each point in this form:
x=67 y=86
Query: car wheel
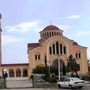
x=70 y=86
x=59 y=85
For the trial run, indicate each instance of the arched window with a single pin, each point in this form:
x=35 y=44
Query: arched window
x=25 y=73
x=62 y=66
x=64 y=50
x=11 y=73
x=78 y=55
x=60 y=48
x=50 y=50
x=57 y=47
x=18 y=73
x=53 y=48
x=52 y=33
x=37 y=56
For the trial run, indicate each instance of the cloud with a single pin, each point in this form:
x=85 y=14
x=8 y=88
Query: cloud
x=7 y=39
x=84 y=33
x=73 y=17
x=64 y=27
x=13 y=34
x=24 y=27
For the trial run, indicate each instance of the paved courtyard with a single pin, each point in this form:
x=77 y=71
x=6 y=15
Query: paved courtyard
x=19 y=83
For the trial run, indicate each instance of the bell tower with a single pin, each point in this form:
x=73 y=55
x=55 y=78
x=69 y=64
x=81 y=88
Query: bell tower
x=0 y=41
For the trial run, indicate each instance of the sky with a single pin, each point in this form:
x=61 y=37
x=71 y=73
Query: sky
x=22 y=20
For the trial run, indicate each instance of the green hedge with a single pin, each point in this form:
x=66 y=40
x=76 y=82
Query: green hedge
x=50 y=79
x=86 y=78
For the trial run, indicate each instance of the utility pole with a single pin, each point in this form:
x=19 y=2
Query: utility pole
x=0 y=46
x=0 y=41
x=59 y=66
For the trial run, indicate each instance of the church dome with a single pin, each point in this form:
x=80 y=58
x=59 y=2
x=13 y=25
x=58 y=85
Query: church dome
x=51 y=27
x=50 y=31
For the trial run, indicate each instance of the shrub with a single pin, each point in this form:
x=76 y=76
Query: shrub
x=50 y=79
x=85 y=77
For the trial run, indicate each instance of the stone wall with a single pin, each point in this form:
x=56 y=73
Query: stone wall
x=1 y=83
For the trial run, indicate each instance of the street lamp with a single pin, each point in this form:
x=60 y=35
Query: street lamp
x=59 y=66
x=5 y=76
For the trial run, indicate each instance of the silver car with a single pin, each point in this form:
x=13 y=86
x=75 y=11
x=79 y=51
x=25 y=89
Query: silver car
x=71 y=82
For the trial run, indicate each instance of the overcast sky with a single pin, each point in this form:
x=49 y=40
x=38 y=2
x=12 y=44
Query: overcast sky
x=23 y=19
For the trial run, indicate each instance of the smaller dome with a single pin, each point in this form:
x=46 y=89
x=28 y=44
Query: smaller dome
x=51 y=27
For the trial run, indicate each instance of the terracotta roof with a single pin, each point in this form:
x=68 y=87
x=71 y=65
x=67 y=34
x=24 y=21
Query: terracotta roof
x=17 y=64
x=51 y=27
x=34 y=45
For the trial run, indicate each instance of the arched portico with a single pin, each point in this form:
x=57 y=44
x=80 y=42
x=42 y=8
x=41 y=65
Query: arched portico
x=62 y=66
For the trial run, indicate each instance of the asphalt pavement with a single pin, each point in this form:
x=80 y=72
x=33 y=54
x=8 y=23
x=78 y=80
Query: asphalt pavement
x=27 y=85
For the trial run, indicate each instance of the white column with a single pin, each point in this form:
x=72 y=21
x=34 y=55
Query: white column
x=21 y=72
x=8 y=73
x=14 y=72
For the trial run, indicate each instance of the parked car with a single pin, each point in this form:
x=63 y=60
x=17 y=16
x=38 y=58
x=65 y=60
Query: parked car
x=71 y=82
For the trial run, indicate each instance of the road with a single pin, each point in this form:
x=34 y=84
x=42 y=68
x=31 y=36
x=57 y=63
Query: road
x=27 y=85
x=85 y=88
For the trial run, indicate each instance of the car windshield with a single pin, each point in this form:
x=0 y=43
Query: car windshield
x=75 y=79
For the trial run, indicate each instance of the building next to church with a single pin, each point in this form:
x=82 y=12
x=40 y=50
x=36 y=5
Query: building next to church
x=52 y=43
x=15 y=70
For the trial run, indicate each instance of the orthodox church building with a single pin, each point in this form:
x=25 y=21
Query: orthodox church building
x=51 y=46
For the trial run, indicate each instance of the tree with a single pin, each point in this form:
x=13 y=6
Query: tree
x=41 y=70
x=44 y=70
x=38 y=70
x=72 y=65
x=45 y=60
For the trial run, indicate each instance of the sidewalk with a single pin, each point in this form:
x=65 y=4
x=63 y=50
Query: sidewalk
x=22 y=84
x=87 y=82
x=19 y=83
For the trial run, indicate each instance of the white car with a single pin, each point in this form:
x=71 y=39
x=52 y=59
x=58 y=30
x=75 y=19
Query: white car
x=71 y=82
